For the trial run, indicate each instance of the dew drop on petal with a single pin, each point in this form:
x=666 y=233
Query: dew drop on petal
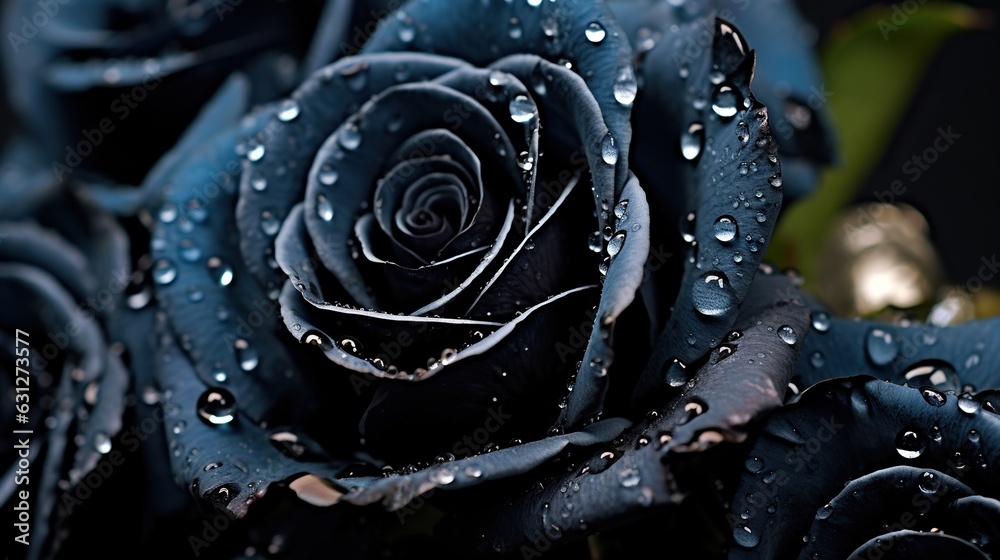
x=712 y=294
x=909 y=444
x=616 y=243
x=522 y=109
x=164 y=272
x=324 y=209
x=350 y=137
x=246 y=355
x=821 y=321
x=724 y=101
x=725 y=228
x=787 y=334
x=595 y=32
x=216 y=407
x=881 y=346
x=692 y=141
x=288 y=110
x=626 y=86
x=609 y=151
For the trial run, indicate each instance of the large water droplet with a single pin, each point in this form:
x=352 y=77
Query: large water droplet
x=909 y=444
x=724 y=101
x=626 y=86
x=745 y=537
x=675 y=373
x=288 y=110
x=754 y=465
x=787 y=334
x=220 y=271
x=725 y=228
x=824 y=512
x=442 y=476
x=164 y=272
x=324 y=209
x=216 y=407
x=929 y=483
x=621 y=210
x=609 y=151
x=522 y=109
x=246 y=355
x=881 y=346
x=692 y=141
x=967 y=405
x=595 y=32
x=712 y=294
x=616 y=243
x=350 y=137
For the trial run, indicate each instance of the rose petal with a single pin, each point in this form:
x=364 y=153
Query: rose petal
x=949 y=358
x=910 y=545
x=555 y=30
x=841 y=429
x=277 y=181
x=733 y=224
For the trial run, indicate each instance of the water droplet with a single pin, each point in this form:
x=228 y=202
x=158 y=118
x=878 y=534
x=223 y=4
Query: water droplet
x=609 y=151
x=713 y=295
x=629 y=477
x=742 y=131
x=787 y=334
x=595 y=32
x=821 y=321
x=761 y=217
x=220 y=271
x=737 y=257
x=824 y=512
x=972 y=361
x=933 y=373
x=324 y=209
x=775 y=181
x=745 y=537
x=909 y=444
x=217 y=407
x=626 y=86
x=269 y=224
x=168 y=213
x=725 y=229
x=534 y=3
x=257 y=181
x=881 y=346
x=514 y=30
x=246 y=355
x=616 y=243
x=675 y=373
x=929 y=483
x=288 y=110
x=164 y=272
x=220 y=376
x=102 y=443
x=621 y=210
x=406 y=32
x=327 y=175
x=968 y=405
x=595 y=242
x=724 y=101
x=442 y=476
x=754 y=465
x=256 y=152
x=522 y=109
x=350 y=137
x=816 y=359
x=692 y=141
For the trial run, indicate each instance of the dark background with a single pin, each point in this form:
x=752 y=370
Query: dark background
x=960 y=193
